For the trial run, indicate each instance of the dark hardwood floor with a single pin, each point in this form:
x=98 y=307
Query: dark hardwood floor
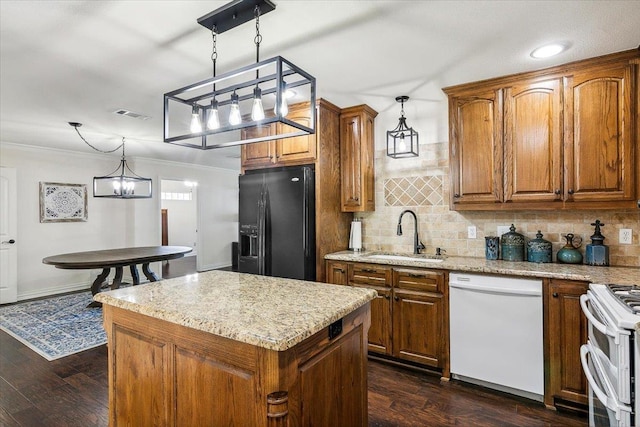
x=72 y=391
x=178 y=267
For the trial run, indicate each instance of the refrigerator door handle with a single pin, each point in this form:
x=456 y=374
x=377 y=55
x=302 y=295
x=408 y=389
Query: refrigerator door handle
x=261 y=234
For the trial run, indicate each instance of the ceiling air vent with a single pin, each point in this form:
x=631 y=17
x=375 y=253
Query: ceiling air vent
x=129 y=113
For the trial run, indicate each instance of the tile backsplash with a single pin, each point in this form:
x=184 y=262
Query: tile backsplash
x=422 y=184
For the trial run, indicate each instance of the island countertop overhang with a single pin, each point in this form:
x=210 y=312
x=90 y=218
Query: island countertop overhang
x=269 y=312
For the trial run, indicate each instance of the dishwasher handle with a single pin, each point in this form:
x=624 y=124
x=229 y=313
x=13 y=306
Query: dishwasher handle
x=493 y=290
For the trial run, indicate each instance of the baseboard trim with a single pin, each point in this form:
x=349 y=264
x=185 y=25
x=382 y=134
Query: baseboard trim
x=213 y=267
x=46 y=292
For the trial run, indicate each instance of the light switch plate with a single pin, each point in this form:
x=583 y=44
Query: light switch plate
x=626 y=236
x=471 y=232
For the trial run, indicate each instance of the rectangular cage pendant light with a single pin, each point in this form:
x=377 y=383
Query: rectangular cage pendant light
x=230 y=98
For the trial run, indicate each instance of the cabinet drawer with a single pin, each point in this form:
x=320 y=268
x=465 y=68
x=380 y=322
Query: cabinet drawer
x=369 y=274
x=418 y=280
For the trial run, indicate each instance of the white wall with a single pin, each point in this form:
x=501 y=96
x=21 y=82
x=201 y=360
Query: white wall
x=112 y=223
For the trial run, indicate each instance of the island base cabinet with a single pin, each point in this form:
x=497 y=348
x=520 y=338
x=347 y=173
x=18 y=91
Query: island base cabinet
x=164 y=374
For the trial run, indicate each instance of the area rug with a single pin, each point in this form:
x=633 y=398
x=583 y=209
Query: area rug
x=55 y=327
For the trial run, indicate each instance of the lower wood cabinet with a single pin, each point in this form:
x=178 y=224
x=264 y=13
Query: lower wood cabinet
x=409 y=318
x=565 y=332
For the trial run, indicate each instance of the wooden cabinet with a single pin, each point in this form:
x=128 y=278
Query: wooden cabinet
x=533 y=141
x=419 y=316
x=599 y=134
x=357 y=152
x=565 y=332
x=476 y=139
x=376 y=277
x=560 y=138
x=322 y=150
x=296 y=150
x=164 y=374
x=410 y=316
x=337 y=273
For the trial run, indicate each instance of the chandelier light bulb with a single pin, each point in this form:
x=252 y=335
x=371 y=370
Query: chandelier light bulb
x=257 y=112
x=235 y=118
x=213 y=121
x=196 y=126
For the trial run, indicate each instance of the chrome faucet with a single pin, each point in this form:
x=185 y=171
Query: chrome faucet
x=417 y=244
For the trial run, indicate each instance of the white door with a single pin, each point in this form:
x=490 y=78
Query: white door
x=8 y=230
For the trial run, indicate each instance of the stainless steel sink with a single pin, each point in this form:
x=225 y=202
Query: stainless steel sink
x=418 y=258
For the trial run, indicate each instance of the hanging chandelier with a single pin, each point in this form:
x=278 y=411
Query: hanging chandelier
x=243 y=106
x=403 y=140
x=118 y=185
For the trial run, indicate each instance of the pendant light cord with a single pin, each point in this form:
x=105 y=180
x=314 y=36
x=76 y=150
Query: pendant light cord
x=258 y=38
x=77 y=125
x=214 y=52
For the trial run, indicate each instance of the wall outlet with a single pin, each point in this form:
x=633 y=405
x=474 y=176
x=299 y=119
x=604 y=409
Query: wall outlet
x=471 y=232
x=502 y=229
x=626 y=236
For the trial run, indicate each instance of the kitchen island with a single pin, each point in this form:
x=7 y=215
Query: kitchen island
x=223 y=348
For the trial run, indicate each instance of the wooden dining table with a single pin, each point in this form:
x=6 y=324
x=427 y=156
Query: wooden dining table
x=118 y=259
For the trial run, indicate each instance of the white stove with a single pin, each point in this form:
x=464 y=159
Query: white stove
x=611 y=356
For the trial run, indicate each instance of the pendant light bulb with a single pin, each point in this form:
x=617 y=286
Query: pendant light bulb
x=235 y=118
x=257 y=112
x=402 y=145
x=196 y=126
x=283 y=108
x=213 y=121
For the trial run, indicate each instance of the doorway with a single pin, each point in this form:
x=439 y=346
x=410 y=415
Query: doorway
x=179 y=218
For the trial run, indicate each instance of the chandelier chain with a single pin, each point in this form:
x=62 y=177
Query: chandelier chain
x=97 y=149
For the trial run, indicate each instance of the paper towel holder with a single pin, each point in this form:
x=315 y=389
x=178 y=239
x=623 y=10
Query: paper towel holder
x=355 y=236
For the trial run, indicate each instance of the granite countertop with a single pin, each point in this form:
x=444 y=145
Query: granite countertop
x=268 y=312
x=593 y=274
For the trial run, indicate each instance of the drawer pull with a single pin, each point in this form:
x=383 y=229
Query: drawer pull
x=341 y=270
x=368 y=270
x=415 y=275
x=396 y=298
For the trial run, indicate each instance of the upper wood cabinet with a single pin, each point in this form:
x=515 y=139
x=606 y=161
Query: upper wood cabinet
x=476 y=139
x=357 y=158
x=599 y=138
x=296 y=150
x=560 y=138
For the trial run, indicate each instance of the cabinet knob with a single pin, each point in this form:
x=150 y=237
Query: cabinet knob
x=387 y=297
x=357 y=199
x=396 y=298
x=570 y=191
x=555 y=295
x=341 y=270
x=457 y=196
x=558 y=191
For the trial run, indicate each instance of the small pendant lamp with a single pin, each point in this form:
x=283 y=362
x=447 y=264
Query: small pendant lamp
x=403 y=140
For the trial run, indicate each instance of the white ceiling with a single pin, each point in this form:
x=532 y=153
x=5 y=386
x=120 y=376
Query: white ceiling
x=79 y=61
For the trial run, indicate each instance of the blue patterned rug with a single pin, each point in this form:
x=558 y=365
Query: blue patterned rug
x=55 y=327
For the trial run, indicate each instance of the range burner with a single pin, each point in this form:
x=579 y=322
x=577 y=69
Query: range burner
x=628 y=295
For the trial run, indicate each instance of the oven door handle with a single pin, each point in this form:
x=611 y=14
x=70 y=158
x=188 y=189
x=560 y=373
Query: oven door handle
x=610 y=403
x=592 y=319
x=602 y=396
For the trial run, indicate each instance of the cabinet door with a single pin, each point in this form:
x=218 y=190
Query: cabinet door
x=566 y=332
x=337 y=272
x=599 y=139
x=297 y=149
x=376 y=277
x=476 y=148
x=357 y=159
x=418 y=316
x=379 y=338
x=417 y=326
x=258 y=154
x=533 y=142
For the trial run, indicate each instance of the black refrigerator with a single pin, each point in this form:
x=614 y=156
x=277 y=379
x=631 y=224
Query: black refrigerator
x=277 y=223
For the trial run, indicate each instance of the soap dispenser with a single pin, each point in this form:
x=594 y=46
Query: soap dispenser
x=597 y=253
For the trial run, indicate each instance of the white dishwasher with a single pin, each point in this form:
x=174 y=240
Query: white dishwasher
x=496 y=332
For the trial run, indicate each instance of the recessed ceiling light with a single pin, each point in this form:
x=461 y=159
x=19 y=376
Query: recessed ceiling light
x=548 y=50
